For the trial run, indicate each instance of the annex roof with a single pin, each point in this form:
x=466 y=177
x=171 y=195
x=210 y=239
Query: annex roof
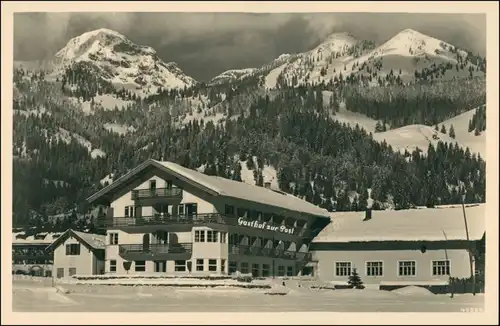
x=427 y=224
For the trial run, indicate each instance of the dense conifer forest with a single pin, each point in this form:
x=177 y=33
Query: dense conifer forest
x=333 y=165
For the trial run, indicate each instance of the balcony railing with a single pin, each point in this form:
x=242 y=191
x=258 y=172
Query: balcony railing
x=268 y=252
x=32 y=257
x=156 y=251
x=163 y=219
x=156 y=193
x=194 y=219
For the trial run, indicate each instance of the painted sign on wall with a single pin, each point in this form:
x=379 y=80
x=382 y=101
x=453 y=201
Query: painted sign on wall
x=265 y=226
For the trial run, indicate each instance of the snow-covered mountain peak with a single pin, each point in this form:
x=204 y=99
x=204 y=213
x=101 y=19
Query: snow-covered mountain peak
x=412 y=43
x=336 y=42
x=136 y=67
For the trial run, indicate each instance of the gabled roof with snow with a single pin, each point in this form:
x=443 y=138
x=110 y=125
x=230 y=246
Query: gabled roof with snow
x=93 y=241
x=428 y=224
x=219 y=186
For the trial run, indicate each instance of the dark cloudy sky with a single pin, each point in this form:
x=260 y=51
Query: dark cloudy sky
x=206 y=44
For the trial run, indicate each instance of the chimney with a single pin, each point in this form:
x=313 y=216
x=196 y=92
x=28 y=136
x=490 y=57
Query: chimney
x=368 y=214
x=267 y=185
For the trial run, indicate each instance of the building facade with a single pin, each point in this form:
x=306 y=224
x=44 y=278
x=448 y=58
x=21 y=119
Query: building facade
x=29 y=255
x=164 y=218
x=418 y=246
x=78 y=253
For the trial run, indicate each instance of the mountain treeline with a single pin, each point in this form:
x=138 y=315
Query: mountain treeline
x=427 y=103
x=478 y=121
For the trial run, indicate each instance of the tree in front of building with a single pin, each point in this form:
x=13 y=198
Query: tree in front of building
x=354 y=280
x=127 y=265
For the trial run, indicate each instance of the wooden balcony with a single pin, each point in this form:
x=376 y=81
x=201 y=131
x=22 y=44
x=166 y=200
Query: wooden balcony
x=186 y=222
x=148 y=197
x=268 y=252
x=178 y=251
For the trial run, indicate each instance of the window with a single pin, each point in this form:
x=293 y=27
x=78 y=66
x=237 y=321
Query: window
x=180 y=209
x=60 y=272
x=168 y=184
x=212 y=265
x=180 y=266
x=407 y=268
x=223 y=237
x=242 y=212
x=281 y=270
x=229 y=210
x=244 y=268
x=289 y=271
x=440 y=267
x=152 y=184
x=140 y=266
x=73 y=249
x=199 y=236
x=113 y=238
x=71 y=271
x=112 y=265
x=164 y=210
x=265 y=270
x=232 y=267
x=199 y=265
x=255 y=270
x=374 y=268
x=223 y=265
x=191 y=209
x=129 y=211
x=212 y=236
x=342 y=268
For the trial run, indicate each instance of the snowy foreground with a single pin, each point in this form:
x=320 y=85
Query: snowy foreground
x=38 y=295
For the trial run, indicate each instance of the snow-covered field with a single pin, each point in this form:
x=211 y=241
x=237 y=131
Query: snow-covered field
x=39 y=296
x=412 y=136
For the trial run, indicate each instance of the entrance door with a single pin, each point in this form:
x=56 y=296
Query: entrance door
x=160 y=266
x=145 y=242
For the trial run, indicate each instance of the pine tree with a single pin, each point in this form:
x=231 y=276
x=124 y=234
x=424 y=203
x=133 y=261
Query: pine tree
x=443 y=129
x=354 y=280
x=452 y=132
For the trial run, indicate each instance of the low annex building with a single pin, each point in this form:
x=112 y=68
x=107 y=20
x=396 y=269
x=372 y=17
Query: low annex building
x=29 y=255
x=164 y=218
x=417 y=246
x=78 y=253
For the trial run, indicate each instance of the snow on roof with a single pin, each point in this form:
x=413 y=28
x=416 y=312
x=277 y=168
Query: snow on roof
x=429 y=224
x=241 y=190
x=96 y=241
x=39 y=238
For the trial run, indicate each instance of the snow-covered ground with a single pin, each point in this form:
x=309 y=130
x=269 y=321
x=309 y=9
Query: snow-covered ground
x=67 y=137
x=118 y=128
x=40 y=296
x=412 y=136
x=272 y=77
x=269 y=174
x=477 y=144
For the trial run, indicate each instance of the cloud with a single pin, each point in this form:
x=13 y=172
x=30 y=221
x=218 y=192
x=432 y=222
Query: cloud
x=205 y=44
